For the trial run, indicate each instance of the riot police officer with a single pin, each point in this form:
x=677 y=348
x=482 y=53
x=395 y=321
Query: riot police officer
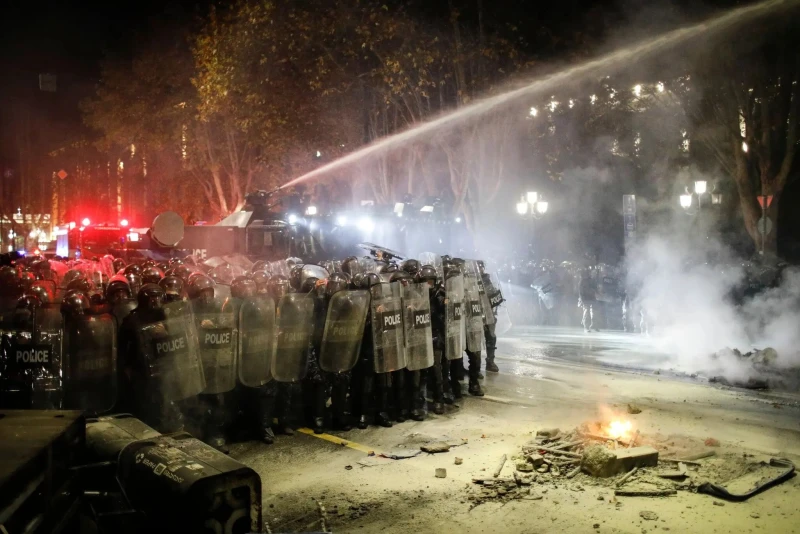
x=173 y=288
x=427 y=275
x=119 y=298
x=408 y=389
x=215 y=328
x=587 y=293
x=494 y=298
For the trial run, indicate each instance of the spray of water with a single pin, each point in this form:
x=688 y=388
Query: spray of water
x=604 y=65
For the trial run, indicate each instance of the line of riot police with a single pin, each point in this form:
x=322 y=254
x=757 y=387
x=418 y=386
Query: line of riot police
x=225 y=349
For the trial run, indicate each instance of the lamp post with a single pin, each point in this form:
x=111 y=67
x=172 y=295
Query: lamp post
x=687 y=200
x=532 y=207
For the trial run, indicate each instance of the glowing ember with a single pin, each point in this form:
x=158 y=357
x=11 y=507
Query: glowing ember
x=619 y=429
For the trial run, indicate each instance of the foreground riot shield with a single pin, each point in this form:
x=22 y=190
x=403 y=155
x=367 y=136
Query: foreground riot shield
x=417 y=326
x=493 y=290
x=473 y=316
x=32 y=364
x=217 y=338
x=386 y=310
x=294 y=325
x=256 y=337
x=453 y=316
x=278 y=268
x=344 y=328
x=171 y=355
x=90 y=363
x=367 y=265
x=488 y=312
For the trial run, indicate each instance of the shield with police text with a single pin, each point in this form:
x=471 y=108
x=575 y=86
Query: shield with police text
x=454 y=317
x=90 y=363
x=294 y=325
x=344 y=328
x=488 y=312
x=217 y=338
x=386 y=311
x=256 y=337
x=31 y=370
x=473 y=309
x=417 y=326
x=170 y=352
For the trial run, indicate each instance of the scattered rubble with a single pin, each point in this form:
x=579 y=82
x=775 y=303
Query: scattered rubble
x=633 y=409
x=711 y=442
x=648 y=516
x=459 y=461
x=441 y=472
x=434 y=448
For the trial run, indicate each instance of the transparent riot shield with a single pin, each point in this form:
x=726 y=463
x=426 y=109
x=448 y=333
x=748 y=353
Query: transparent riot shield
x=386 y=310
x=171 y=355
x=294 y=325
x=417 y=326
x=332 y=266
x=488 y=312
x=344 y=328
x=256 y=337
x=453 y=316
x=278 y=268
x=90 y=363
x=473 y=312
x=367 y=265
x=217 y=338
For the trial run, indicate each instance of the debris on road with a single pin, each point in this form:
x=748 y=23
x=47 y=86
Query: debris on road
x=500 y=466
x=633 y=409
x=648 y=515
x=433 y=448
x=441 y=472
x=459 y=461
x=711 y=442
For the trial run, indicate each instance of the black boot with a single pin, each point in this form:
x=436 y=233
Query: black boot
x=399 y=397
x=320 y=398
x=475 y=388
x=413 y=390
x=367 y=400
x=266 y=411
x=384 y=386
x=215 y=427
x=338 y=405
x=491 y=367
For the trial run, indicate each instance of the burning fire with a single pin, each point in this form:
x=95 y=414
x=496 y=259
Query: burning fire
x=619 y=429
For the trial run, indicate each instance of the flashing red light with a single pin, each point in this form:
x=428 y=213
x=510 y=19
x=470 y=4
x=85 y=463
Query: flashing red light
x=37 y=252
x=72 y=225
x=123 y=223
x=86 y=221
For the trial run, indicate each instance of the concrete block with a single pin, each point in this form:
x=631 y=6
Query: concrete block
x=627 y=459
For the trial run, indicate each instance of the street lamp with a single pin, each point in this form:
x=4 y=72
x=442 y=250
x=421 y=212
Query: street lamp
x=700 y=187
x=541 y=207
x=532 y=197
x=686 y=201
x=532 y=207
x=522 y=207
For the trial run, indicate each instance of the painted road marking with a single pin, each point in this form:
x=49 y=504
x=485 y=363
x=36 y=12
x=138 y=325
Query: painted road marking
x=340 y=441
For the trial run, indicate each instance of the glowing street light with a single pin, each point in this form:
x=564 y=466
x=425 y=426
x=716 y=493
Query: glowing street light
x=522 y=207
x=700 y=187
x=686 y=201
x=534 y=112
x=532 y=197
x=541 y=207
x=637 y=90
x=716 y=198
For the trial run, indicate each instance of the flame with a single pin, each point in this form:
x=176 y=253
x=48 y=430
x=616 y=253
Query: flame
x=619 y=429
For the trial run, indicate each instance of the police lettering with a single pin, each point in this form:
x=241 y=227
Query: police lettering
x=345 y=331
x=93 y=364
x=422 y=319
x=476 y=308
x=457 y=310
x=171 y=345
x=33 y=356
x=257 y=342
x=391 y=319
x=219 y=338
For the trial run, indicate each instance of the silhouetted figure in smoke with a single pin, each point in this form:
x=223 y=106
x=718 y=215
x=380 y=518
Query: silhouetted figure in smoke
x=587 y=300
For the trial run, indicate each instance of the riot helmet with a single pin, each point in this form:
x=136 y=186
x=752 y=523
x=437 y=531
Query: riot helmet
x=150 y=298
x=308 y=284
x=40 y=292
x=201 y=286
x=260 y=265
x=403 y=277
x=173 y=288
x=278 y=286
x=134 y=281
x=118 y=264
x=25 y=311
x=411 y=266
x=427 y=274
x=371 y=279
x=81 y=284
x=336 y=282
x=133 y=268
x=296 y=277
x=118 y=290
x=152 y=275
x=26 y=279
x=261 y=279
x=183 y=272
x=8 y=278
x=350 y=265
x=222 y=274
x=358 y=280
x=174 y=262
x=75 y=302
x=243 y=287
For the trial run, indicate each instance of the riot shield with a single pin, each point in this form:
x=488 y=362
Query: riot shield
x=294 y=325
x=217 y=338
x=332 y=266
x=344 y=328
x=90 y=363
x=367 y=265
x=493 y=290
x=473 y=316
x=453 y=316
x=278 y=268
x=170 y=353
x=256 y=337
x=122 y=309
x=417 y=326
x=473 y=272
x=386 y=310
